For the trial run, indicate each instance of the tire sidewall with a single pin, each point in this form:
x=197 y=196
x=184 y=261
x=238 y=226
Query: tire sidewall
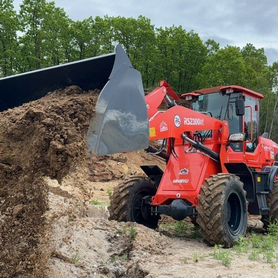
x=234 y=187
x=145 y=187
x=273 y=199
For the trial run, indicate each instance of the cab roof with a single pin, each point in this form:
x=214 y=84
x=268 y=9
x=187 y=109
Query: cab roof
x=230 y=89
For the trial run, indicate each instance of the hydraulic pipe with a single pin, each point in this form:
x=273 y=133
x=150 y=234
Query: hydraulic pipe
x=199 y=146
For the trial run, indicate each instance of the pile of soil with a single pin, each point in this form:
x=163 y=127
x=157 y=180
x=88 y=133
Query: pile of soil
x=41 y=138
x=119 y=166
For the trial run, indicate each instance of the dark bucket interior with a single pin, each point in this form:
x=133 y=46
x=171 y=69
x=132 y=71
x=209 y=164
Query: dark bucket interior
x=88 y=74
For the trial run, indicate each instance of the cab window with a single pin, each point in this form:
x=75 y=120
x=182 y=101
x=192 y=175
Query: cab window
x=251 y=122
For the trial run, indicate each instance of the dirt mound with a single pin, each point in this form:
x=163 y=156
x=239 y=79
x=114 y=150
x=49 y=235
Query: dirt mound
x=43 y=160
x=41 y=138
x=118 y=166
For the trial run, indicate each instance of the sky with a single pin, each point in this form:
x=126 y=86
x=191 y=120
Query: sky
x=233 y=22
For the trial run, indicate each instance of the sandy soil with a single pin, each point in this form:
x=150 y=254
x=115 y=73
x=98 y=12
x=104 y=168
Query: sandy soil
x=88 y=244
x=54 y=198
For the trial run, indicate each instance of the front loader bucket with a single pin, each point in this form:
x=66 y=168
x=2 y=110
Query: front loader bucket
x=121 y=121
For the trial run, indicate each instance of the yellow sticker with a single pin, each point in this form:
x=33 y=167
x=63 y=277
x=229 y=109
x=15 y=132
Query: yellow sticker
x=152 y=132
x=259 y=179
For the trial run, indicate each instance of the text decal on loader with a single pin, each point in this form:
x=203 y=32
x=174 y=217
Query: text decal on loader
x=193 y=121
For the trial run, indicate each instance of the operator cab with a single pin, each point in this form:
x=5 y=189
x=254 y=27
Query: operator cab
x=237 y=105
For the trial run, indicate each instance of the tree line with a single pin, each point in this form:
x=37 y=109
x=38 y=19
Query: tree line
x=41 y=34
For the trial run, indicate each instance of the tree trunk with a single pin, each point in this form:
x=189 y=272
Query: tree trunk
x=273 y=116
x=266 y=115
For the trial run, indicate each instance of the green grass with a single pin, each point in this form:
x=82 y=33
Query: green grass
x=129 y=231
x=242 y=246
x=132 y=232
x=182 y=229
x=273 y=230
x=109 y=192
x=76 y=260
x=128 y=234
x=222 y=255
x=257 y=247
x=196 y=257
x=116 y=258
x=260 y=247
x=96 y=203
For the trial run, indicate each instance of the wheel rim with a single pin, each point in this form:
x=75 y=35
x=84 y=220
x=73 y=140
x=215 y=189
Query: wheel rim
x=234 y=213
x=140 y=209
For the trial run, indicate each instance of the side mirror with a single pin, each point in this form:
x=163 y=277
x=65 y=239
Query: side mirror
x=236 y=137
x=240 y=107
x=265 y=135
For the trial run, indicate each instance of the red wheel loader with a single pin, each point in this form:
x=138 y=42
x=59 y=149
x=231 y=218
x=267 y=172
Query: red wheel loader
x=218 y=168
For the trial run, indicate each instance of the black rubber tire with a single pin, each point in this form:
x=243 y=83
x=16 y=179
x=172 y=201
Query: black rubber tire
x=222 y=210
x=273 y=207
x=193 y=220
x=273 y=203
x=126 y=202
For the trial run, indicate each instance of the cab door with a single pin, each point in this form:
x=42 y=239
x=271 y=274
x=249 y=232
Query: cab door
x=251 y=124
x=251 y=131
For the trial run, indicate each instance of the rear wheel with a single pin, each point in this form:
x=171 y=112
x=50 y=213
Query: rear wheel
x=273 y=207
x=222 y=210
x=129 y=202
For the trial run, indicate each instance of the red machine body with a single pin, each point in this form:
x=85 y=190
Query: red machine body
x=187 y=167
x=218 y=167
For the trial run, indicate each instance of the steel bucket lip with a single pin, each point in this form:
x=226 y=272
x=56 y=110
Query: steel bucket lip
x=57 y=66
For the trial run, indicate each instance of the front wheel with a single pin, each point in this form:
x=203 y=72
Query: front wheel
x=222 y=210
x=129 y=202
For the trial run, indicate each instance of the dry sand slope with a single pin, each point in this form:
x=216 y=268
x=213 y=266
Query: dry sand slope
x=53 y=198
